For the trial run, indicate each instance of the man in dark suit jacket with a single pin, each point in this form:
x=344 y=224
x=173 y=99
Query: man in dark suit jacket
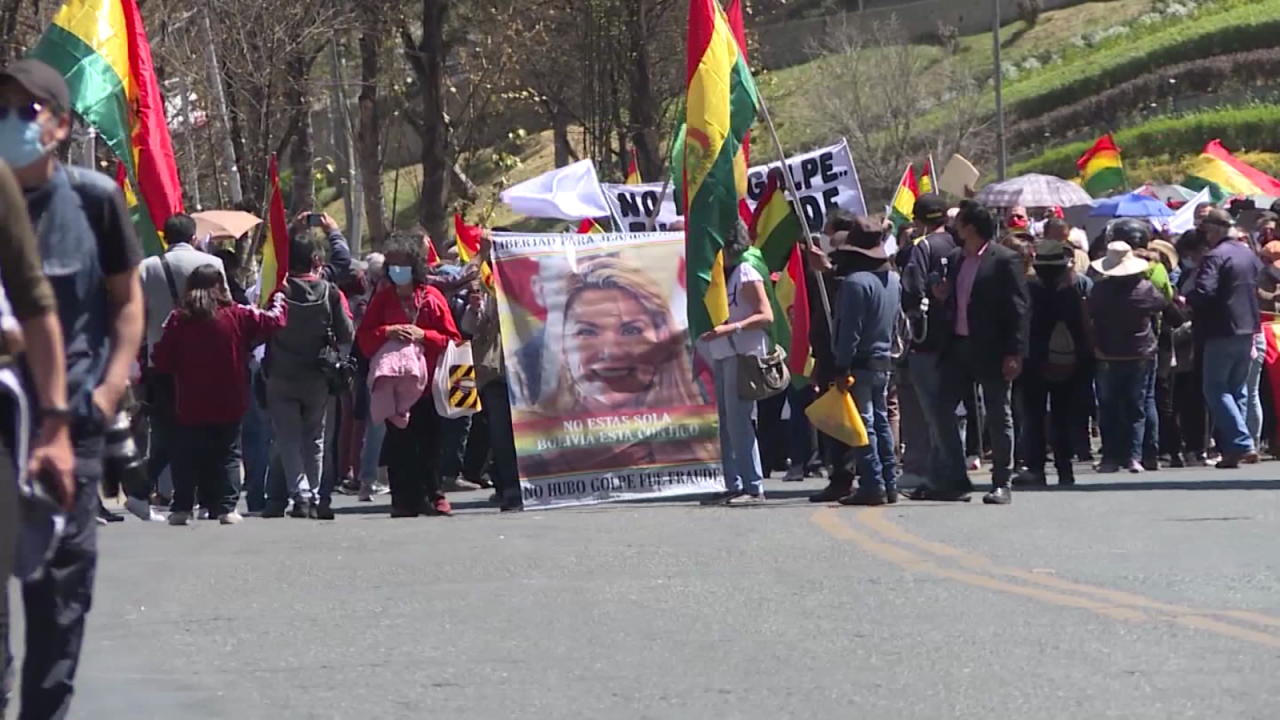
x=985 y=339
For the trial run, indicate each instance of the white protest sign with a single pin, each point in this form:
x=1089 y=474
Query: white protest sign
x=634 y=204
x=825 y=178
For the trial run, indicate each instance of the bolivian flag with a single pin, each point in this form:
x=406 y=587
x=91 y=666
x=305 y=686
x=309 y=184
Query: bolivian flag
x=1101 y=170
x=720 y=107
x=775 y=227
x=928 y=181
x=468 y=237
x=1225 y=175
x=633 y=170
x=101 y=47
x=275 y=249
x=903 y=209
x=792 y=292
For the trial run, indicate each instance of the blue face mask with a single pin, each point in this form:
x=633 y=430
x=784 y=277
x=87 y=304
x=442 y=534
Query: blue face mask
x=400 y=274
x=20 y=143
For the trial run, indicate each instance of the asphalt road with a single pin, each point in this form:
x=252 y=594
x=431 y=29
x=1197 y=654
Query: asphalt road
x=1149 y=597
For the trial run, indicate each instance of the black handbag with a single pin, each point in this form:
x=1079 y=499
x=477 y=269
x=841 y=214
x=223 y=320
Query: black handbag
x=762 y=377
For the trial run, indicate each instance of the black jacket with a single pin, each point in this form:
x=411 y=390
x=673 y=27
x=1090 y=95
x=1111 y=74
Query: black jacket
x=1058 y=299
x=932 y=254
x=999 y=312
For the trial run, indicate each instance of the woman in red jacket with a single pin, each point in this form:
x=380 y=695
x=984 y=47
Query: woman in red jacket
x=205 y=346
x=411 y=311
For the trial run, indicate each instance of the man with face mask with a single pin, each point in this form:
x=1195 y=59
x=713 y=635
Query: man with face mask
x=90 y=255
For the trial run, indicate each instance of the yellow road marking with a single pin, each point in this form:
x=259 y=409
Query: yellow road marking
x=1119 y=605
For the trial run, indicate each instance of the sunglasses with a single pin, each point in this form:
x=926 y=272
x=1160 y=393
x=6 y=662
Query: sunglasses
x=27 y=113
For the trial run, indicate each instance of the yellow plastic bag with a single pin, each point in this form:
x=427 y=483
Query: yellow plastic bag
x=834 y=413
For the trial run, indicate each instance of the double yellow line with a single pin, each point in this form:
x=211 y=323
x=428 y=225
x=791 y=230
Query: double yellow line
x=889 y=542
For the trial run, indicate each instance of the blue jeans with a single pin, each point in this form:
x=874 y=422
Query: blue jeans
x=739 y=454
x=255 y=442
x=800 y=443
x=877 y=463
x=1150 y=445
x=1122 y=392
x=1226 y=370
x=370 y=459
x=1254 y=417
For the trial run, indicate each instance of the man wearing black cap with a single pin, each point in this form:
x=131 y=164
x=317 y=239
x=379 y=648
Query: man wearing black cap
x=923 y=263
x=90 y=254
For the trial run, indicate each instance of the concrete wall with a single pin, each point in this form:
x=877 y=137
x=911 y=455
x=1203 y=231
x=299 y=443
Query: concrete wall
x=790 y=43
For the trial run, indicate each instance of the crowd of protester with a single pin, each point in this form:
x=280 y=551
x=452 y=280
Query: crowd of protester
x=982 y=339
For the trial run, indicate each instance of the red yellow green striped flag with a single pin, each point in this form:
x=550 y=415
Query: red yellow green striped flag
x=775 y=227
x=275 y=249
x=720 y=108
x=1101 y=170
x=633 y=170
x=927 y=179
x=792 y=292
x=101 y=47
x=903 y=208
x=468 y=243
x=1225 y=175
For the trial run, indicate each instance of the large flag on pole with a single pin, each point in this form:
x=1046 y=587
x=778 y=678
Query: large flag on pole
x=101 y=47
x=792 y=292
x=275 y=250
x=1225 y=175
x=903 y=209
x=775 y=227
x=633 y=170
x=720 y=108
x=1101 y=169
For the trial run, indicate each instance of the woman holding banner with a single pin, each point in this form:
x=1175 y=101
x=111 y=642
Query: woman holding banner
x=411 y=311
x=746 y=332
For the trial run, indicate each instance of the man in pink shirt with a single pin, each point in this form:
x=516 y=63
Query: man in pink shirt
x=985 y=298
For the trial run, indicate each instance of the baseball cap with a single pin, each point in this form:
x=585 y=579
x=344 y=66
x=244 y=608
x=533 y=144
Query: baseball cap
x=40 y=80
x=930 y=207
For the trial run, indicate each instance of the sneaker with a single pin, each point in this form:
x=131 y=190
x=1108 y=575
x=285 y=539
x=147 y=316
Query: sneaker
x=1195 y=460
x=366 y=491
x=974 y=464
x=142 y=510
x=483 y=482
x=349 y=486
x=274 y=510
x=865 y=497
x=1030 y=478
x=745 y=499
x=1136 y=467
x=180 y=518
x=457 y=485
x=1152 y=464
x=203 y=514
x=719 y=498
x=442 y=507
x=795 y=473
x=1107 y=467
x=323 y=511
x=107 y=516
x=301 y=509
x=381 y=488
x=231 y=518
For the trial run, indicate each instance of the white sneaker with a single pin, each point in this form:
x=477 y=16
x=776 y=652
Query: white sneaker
x=745 y=499
x=795 y=473
x=975 y=464
x=180 y=518
x=203 y=514
x=142 y=509
x=231 y=518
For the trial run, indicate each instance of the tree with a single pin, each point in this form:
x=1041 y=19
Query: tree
x=369 y=136
x=878 y=92
x=426 y=57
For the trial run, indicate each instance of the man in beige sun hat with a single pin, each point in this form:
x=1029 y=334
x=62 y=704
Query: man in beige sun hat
x=1123 y=305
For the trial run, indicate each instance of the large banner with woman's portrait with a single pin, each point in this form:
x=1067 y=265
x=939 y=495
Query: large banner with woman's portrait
x=608 y=401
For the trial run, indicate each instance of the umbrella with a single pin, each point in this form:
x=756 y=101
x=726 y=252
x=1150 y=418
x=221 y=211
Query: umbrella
x=1033 y=191
x=224 y=223
x=1131 y=205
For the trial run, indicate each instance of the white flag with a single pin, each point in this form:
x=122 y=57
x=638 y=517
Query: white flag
x=1185 y=218
x=568 y=193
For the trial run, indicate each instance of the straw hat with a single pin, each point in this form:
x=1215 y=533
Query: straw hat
x=1120 y=261
x=1167 y=252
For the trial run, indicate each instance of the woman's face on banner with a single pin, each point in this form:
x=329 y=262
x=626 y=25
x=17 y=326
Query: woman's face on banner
x=609 y=343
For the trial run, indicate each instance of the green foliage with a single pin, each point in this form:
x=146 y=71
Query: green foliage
x=1249 y=26
x=1251 y=127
